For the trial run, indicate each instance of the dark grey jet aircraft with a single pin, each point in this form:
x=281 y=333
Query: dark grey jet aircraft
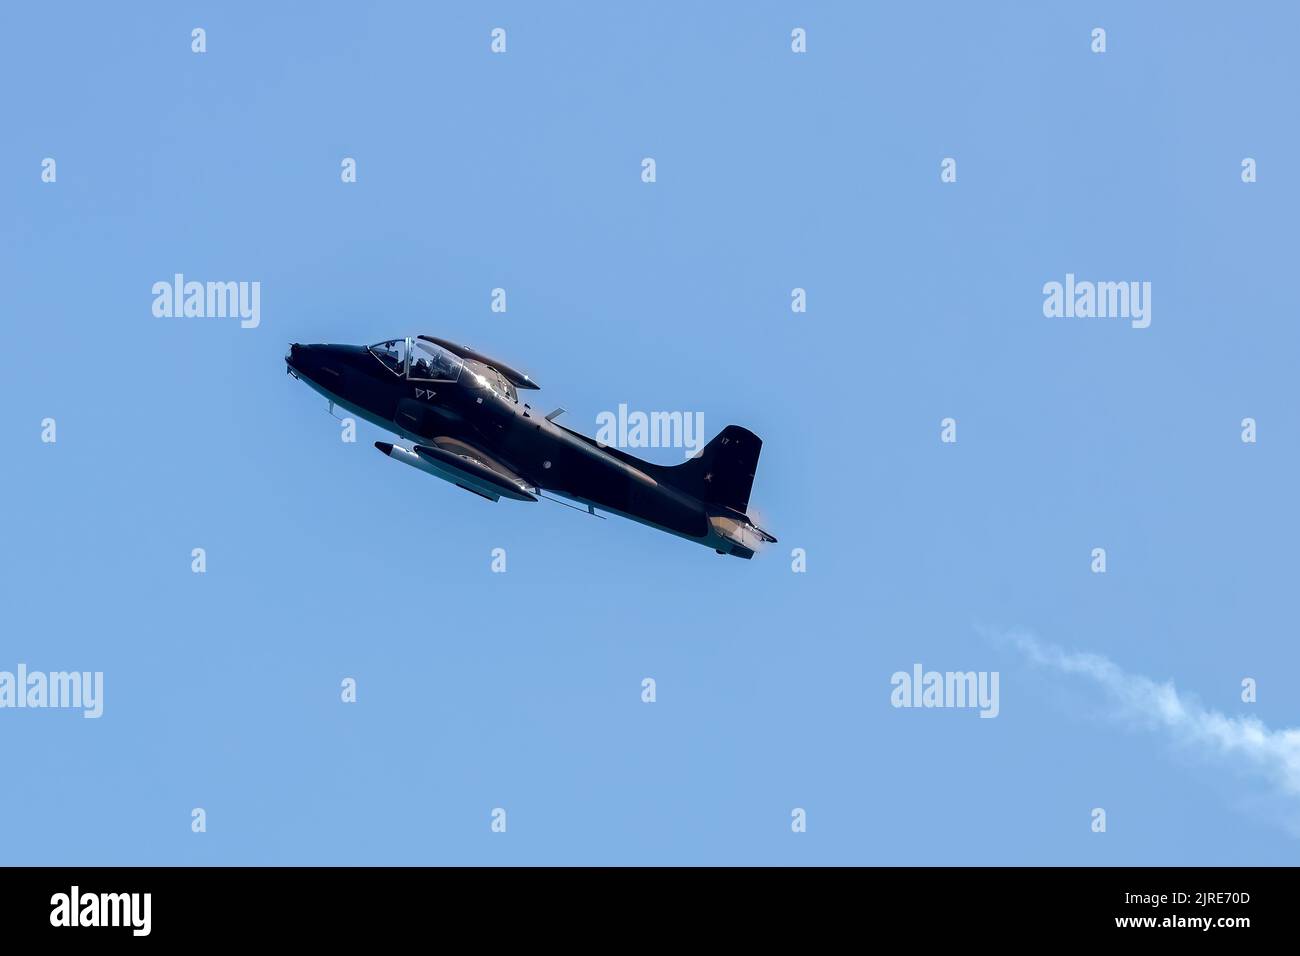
x=460 y=411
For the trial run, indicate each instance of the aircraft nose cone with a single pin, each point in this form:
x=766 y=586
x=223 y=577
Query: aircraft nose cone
x=305 y=358
x=329 y=365
x=308 y=362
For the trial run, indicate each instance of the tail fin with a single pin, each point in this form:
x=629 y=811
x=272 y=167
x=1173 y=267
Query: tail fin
x=723 y=473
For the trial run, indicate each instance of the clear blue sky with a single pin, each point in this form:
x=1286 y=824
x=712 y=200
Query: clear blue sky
x=522 y=690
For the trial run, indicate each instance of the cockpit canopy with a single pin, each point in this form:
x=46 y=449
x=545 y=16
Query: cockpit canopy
x=418 y=360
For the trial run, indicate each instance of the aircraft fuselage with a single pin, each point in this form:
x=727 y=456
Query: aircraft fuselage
x=479 y=416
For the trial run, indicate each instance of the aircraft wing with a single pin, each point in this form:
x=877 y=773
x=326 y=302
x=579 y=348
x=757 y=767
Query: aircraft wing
x=464 y=466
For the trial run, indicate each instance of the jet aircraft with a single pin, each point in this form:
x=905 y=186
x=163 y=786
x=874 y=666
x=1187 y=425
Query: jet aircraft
x=460 y=413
